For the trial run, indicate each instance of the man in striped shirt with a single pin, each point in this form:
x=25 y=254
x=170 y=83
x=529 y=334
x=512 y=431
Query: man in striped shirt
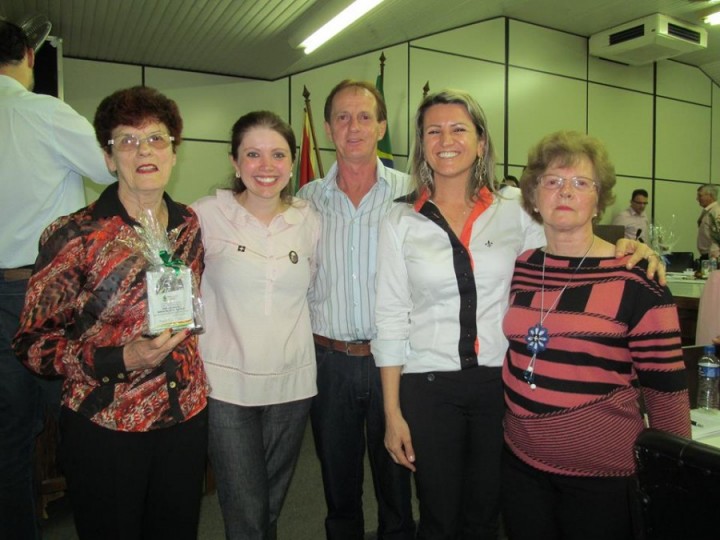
x=348 y=412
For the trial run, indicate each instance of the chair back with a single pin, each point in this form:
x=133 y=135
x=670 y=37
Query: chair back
x=609 y=233
x=678 y=486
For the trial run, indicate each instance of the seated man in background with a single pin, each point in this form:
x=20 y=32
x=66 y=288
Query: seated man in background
x=633 y=218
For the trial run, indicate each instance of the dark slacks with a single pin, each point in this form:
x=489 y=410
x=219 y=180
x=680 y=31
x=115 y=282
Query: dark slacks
x=127 y=486
x=455 y=421
x=346 y=415
x=541 y=506
x=24 y=399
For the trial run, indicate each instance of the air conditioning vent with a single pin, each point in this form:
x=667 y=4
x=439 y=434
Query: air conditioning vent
x=626 y=35
x=684 y=33
x=648 y=40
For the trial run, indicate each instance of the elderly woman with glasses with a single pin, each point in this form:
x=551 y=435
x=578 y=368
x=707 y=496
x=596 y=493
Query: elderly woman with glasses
x=133 y=420
x=589 y=341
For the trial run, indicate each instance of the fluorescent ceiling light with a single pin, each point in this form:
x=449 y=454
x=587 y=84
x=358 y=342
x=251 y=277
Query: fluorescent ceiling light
x=338 y=23
x=713 y=18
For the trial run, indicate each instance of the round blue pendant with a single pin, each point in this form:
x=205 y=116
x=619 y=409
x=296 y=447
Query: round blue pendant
x=537 y=339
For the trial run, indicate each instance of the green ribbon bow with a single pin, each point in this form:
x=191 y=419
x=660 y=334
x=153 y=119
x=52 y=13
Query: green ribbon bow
x=168 y=261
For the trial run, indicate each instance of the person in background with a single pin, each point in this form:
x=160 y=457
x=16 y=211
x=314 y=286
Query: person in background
x=347 y=414
x=588 y=339
x=260 y=251
x=511 y=180
x=134 y=418
x=707 y=199
x=634 y=219
x=445 y=259
x=46 y=149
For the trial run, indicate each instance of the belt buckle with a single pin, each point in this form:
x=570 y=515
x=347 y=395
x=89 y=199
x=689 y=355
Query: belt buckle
x=348 y=345
x=351 y=344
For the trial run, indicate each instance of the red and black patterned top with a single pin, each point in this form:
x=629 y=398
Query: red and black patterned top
x=87 y=298
x=613 y=334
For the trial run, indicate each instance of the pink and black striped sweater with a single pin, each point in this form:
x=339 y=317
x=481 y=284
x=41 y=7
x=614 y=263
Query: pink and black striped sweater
x=613 y=337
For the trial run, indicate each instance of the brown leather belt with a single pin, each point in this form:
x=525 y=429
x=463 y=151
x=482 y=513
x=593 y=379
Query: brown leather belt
x=351 y=348
x=16 y=274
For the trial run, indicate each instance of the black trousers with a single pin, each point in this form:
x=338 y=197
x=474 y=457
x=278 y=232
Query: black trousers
x=455 y=421
x=129 y=486
x=543 y=506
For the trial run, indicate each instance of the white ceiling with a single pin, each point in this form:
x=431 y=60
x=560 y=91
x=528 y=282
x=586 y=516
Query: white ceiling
x=252 y=38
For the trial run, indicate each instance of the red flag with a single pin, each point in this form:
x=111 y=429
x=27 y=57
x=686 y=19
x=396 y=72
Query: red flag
x=307 y=165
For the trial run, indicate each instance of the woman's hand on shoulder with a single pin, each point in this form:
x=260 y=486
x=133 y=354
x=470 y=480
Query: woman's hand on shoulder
x=147 y=353
x=640 y=251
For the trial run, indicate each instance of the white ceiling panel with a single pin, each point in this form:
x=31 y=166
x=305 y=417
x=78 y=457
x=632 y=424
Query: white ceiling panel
x=253 y=38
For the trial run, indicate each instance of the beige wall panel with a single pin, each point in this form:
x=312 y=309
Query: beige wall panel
x=681 y=81
x=623 y=119
x=543 y=49
x=320 y=81
x=715 y=152
x=638 y=78
x=484 y=40
x=676 y=209
x=540 y=104
x=210 y=104
x=201 y=168
x=87 y=82
x=682 y=141
x=485 y=81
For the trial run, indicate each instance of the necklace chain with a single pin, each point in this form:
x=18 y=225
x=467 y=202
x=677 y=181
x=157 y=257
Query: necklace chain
x=538 y=335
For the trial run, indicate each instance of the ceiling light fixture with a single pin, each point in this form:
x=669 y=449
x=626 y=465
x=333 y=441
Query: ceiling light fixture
x=338 y=23
x=713 y=18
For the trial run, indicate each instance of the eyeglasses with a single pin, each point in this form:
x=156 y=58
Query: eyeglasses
x=554 y=182
x=128 y=143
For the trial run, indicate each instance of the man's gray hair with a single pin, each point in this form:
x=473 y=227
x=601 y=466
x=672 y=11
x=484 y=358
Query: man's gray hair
x=710 y=189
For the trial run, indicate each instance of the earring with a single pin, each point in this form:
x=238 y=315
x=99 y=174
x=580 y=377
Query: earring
x=425 y=173
x=237 y=175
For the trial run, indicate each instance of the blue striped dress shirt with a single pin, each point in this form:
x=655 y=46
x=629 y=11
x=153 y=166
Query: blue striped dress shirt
x=342 y=299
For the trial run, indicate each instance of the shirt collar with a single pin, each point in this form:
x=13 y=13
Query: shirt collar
x=235 y=211
x=108 y=205
x=7 y=80
x=332 y=176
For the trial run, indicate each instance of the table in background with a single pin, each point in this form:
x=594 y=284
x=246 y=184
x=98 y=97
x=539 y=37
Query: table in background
x=686 y=291
x=685 y=286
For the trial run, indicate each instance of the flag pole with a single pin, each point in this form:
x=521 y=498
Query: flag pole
x=306 y=95
x=426 y=89
x=382 y=66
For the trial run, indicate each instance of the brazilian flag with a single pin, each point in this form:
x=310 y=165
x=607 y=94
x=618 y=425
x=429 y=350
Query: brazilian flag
x=384 y=148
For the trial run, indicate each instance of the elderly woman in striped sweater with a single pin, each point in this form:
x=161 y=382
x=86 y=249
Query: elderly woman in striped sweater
x=588 y=338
